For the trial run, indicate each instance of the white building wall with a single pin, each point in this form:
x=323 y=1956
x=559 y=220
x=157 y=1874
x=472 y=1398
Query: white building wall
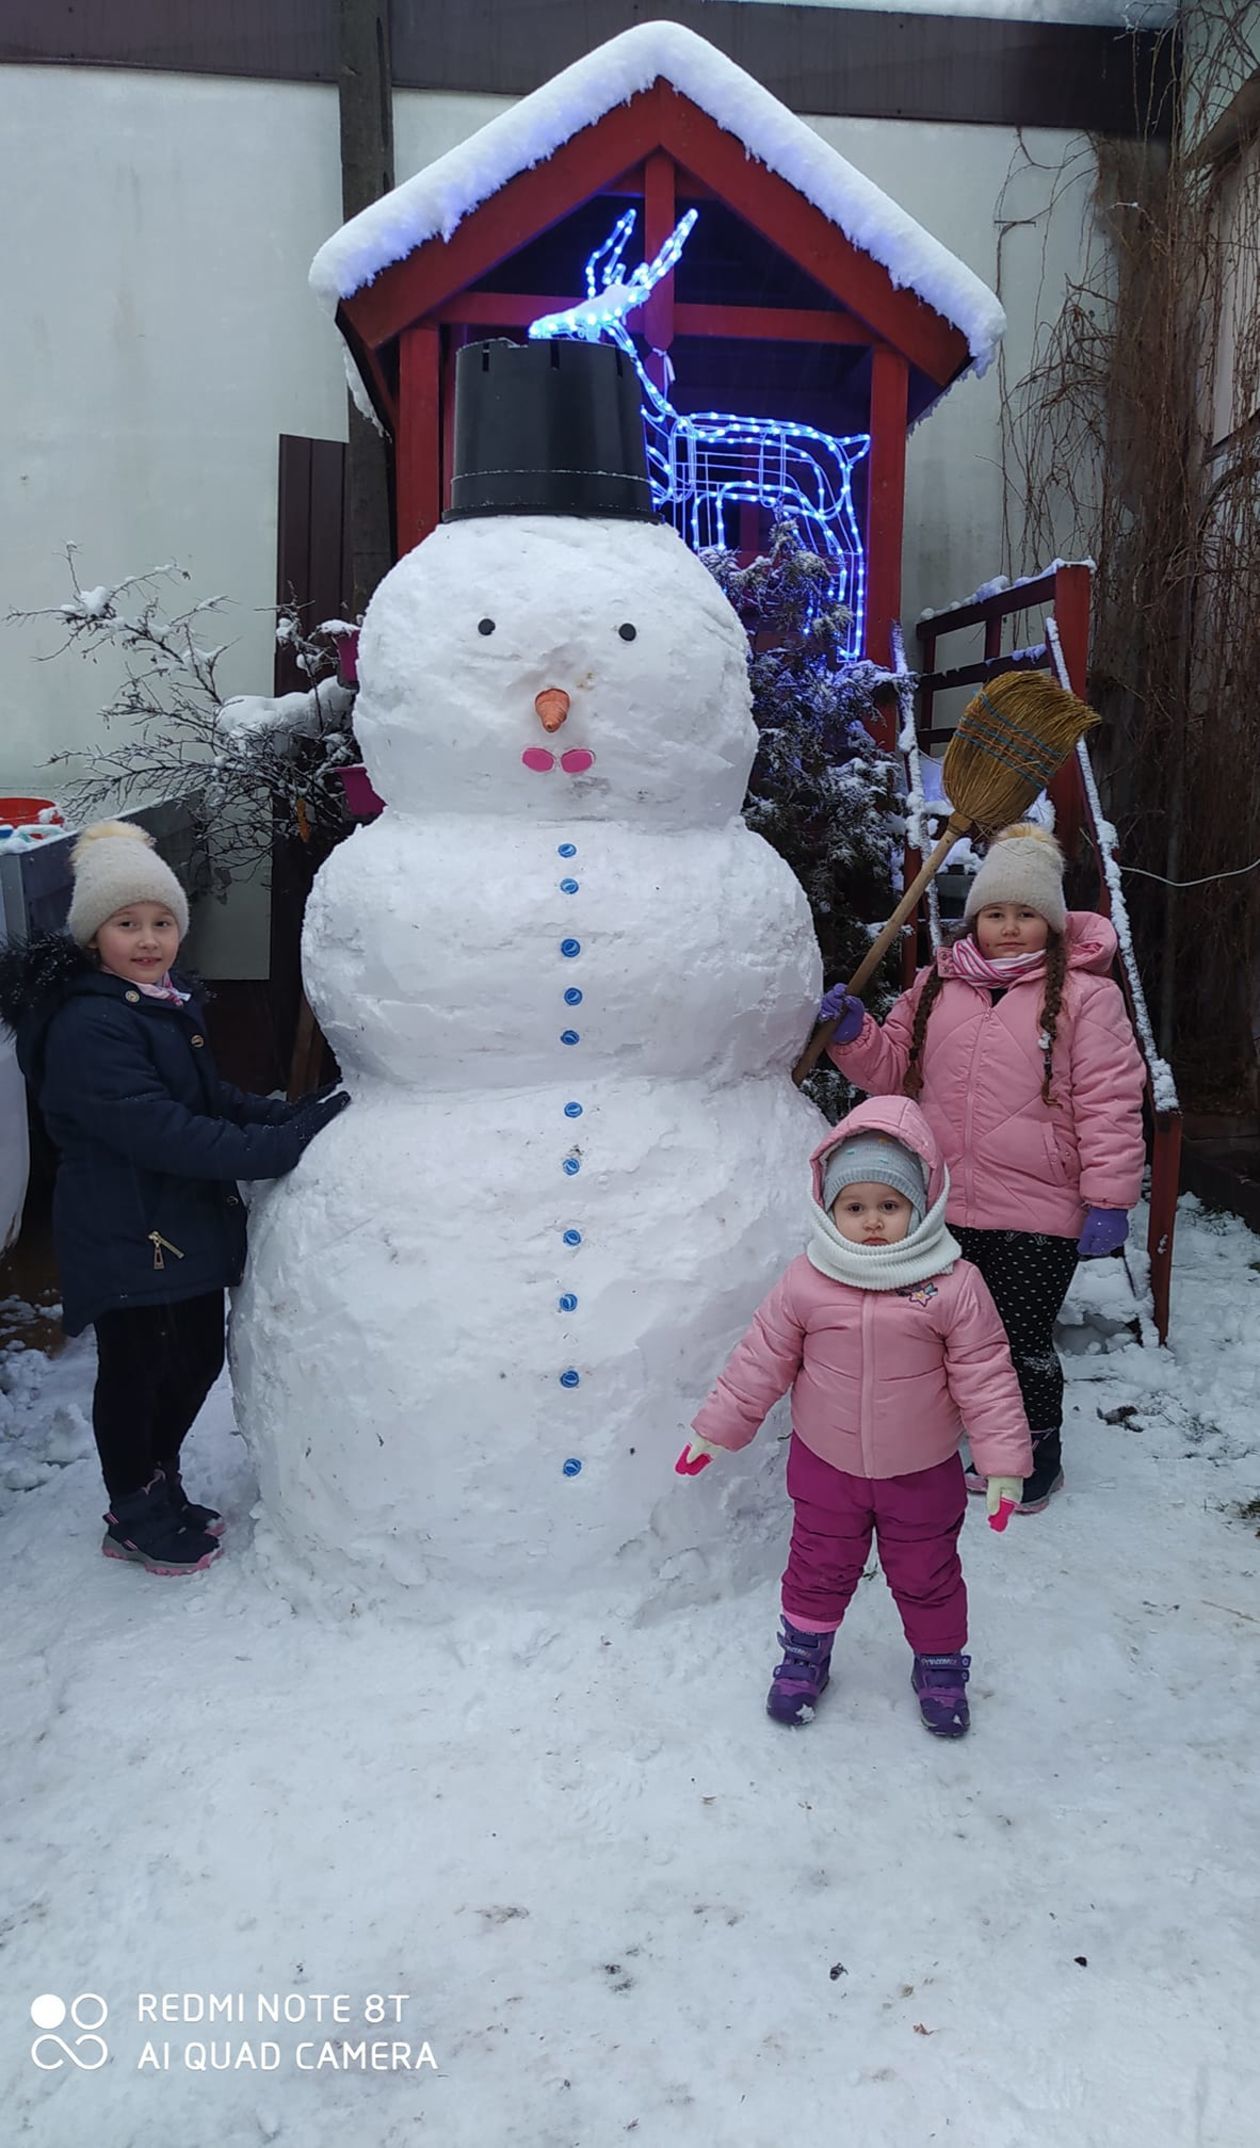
x=161 y=336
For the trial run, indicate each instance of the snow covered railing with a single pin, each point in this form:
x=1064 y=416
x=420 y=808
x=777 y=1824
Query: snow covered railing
x=918 y=837
x=1163 y=1087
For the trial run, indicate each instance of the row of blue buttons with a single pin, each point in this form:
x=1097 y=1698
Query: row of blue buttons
x=567 y=1302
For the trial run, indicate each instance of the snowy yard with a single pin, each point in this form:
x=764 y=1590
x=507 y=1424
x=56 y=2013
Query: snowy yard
x=622 y=1905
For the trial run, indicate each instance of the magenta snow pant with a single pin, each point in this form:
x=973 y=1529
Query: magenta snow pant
x=915 y=1521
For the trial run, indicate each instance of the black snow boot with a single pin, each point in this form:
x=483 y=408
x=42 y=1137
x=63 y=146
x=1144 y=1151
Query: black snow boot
x=1047 y=1476
x=144 y=1529
x=191 y=1515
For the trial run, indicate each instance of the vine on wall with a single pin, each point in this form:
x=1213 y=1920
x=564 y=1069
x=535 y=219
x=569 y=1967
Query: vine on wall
x=1135 y=436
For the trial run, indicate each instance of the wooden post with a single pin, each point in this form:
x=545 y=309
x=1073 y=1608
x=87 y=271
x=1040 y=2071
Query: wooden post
x=1072 y=592
x=453 y=340
x=660 y=214
x=1165 y=1188
x=885 y=509
x=365 y=102
x=418 y=449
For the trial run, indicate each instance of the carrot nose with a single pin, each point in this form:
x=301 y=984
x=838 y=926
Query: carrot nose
x=551 y=707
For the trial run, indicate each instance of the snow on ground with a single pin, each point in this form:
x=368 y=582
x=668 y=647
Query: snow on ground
x=622 y=1904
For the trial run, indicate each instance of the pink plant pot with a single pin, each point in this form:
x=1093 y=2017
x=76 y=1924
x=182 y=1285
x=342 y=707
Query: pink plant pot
x=362 y=802
x=347 y=646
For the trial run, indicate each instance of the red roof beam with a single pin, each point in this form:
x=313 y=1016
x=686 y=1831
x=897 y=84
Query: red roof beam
x=755 y=324
x=658 y=118
x=409 y=290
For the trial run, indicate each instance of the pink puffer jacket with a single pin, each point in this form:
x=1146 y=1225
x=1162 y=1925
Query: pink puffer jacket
x=883 y=1381
x=1015 y=1163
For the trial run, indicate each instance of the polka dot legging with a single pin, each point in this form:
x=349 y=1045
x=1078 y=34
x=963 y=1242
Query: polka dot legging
x=1028 y=1273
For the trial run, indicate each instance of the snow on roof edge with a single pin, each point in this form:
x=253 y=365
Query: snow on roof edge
x=435 y=201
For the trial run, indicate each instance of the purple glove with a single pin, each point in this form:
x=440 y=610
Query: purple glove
x=1105 y=1232
x=848 y=1014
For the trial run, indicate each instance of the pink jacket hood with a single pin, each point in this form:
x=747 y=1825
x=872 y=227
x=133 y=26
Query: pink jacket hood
x=894 y=1115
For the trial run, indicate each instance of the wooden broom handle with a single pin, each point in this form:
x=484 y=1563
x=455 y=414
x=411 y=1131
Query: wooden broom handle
x=957 y=826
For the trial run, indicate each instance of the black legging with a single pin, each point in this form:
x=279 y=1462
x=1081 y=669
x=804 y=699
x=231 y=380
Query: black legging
x=1028 y=1273
x=155 y=1366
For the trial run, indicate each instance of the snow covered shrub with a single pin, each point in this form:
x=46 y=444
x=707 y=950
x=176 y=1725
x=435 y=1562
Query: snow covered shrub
x=821 y=790
x=240 y=765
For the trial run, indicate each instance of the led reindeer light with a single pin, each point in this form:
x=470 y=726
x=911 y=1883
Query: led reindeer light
x=702 y=462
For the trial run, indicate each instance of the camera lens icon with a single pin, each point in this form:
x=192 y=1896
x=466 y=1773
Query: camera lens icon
x=87 y=2012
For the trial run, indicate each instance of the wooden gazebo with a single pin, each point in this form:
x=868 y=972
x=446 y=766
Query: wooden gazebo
x=805 y=294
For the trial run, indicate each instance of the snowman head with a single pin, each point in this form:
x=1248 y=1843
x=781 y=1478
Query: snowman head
x=557 y=666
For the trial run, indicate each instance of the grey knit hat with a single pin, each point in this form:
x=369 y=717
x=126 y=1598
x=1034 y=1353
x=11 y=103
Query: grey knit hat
x=114 y=863
x=876 y=1159
x=1024 y=864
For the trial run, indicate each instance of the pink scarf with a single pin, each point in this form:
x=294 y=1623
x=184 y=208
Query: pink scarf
x=167 y=991
x=967 y=963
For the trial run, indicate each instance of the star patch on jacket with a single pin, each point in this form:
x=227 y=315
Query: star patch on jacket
x=918 y=1293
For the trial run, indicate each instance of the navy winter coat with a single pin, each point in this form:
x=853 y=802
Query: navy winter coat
x=151 y=1142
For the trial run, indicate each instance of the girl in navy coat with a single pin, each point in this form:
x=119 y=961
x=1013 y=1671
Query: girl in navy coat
x=147 y=1220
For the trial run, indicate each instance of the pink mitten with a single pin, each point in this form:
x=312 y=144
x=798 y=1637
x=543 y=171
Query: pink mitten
x=696 y=1455
x=1002 y=1495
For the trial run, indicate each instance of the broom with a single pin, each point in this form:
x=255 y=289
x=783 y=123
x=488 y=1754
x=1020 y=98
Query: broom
x=1014 y=737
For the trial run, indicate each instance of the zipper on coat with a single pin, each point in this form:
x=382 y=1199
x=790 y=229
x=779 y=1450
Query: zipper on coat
x=157 y=1242
x=969 y=1193
x=867 y=1421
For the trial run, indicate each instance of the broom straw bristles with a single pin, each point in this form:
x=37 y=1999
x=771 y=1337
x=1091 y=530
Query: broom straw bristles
x=1014 y=737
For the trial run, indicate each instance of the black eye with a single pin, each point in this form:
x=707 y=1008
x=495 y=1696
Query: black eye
x=627 y=632
x=485 y=626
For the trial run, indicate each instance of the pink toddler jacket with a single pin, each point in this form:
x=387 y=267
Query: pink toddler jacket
x=1016 y=1163
x=884 y=1381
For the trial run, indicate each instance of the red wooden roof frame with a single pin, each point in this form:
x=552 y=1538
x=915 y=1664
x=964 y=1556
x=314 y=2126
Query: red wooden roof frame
x=591 y=162
x=402 y=327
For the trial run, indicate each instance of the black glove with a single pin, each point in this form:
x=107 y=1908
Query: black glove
x=301 y=1104
x=317 y=1112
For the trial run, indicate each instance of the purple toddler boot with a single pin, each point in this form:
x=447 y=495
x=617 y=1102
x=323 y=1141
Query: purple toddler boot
x=941 y=1684
x=801 y=1677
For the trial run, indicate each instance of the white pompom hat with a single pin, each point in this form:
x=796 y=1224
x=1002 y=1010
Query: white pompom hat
x=1024 y=864
x=114 y=863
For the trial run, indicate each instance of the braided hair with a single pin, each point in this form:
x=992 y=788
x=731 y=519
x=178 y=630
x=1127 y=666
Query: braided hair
x=912 y=1084
x=1056 y=973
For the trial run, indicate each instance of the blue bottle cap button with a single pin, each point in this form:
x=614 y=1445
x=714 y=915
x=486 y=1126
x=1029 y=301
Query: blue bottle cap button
x=573 y=997
x=567 y=1302
x=568 y=887
x=571 y=1166
x=573 y=1468
x=570 y=1378
x=573 y=1111
x=573 y=1238
x=570 y=1036
x=570 y=948
x=568 y=850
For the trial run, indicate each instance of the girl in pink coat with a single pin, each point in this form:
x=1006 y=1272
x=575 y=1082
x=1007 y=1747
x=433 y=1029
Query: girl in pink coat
x=888 y=1340
x=1017 y=1044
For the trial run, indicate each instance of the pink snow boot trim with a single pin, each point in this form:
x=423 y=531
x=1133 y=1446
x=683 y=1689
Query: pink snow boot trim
x=133 y=1556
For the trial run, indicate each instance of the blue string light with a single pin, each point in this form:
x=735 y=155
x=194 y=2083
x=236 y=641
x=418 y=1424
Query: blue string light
x=702 y=462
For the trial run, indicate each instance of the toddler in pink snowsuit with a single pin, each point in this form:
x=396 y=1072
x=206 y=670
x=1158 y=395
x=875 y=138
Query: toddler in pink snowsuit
x=888 y=1339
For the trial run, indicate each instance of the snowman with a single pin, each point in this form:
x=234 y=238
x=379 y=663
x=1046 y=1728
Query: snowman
x=565 y=985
